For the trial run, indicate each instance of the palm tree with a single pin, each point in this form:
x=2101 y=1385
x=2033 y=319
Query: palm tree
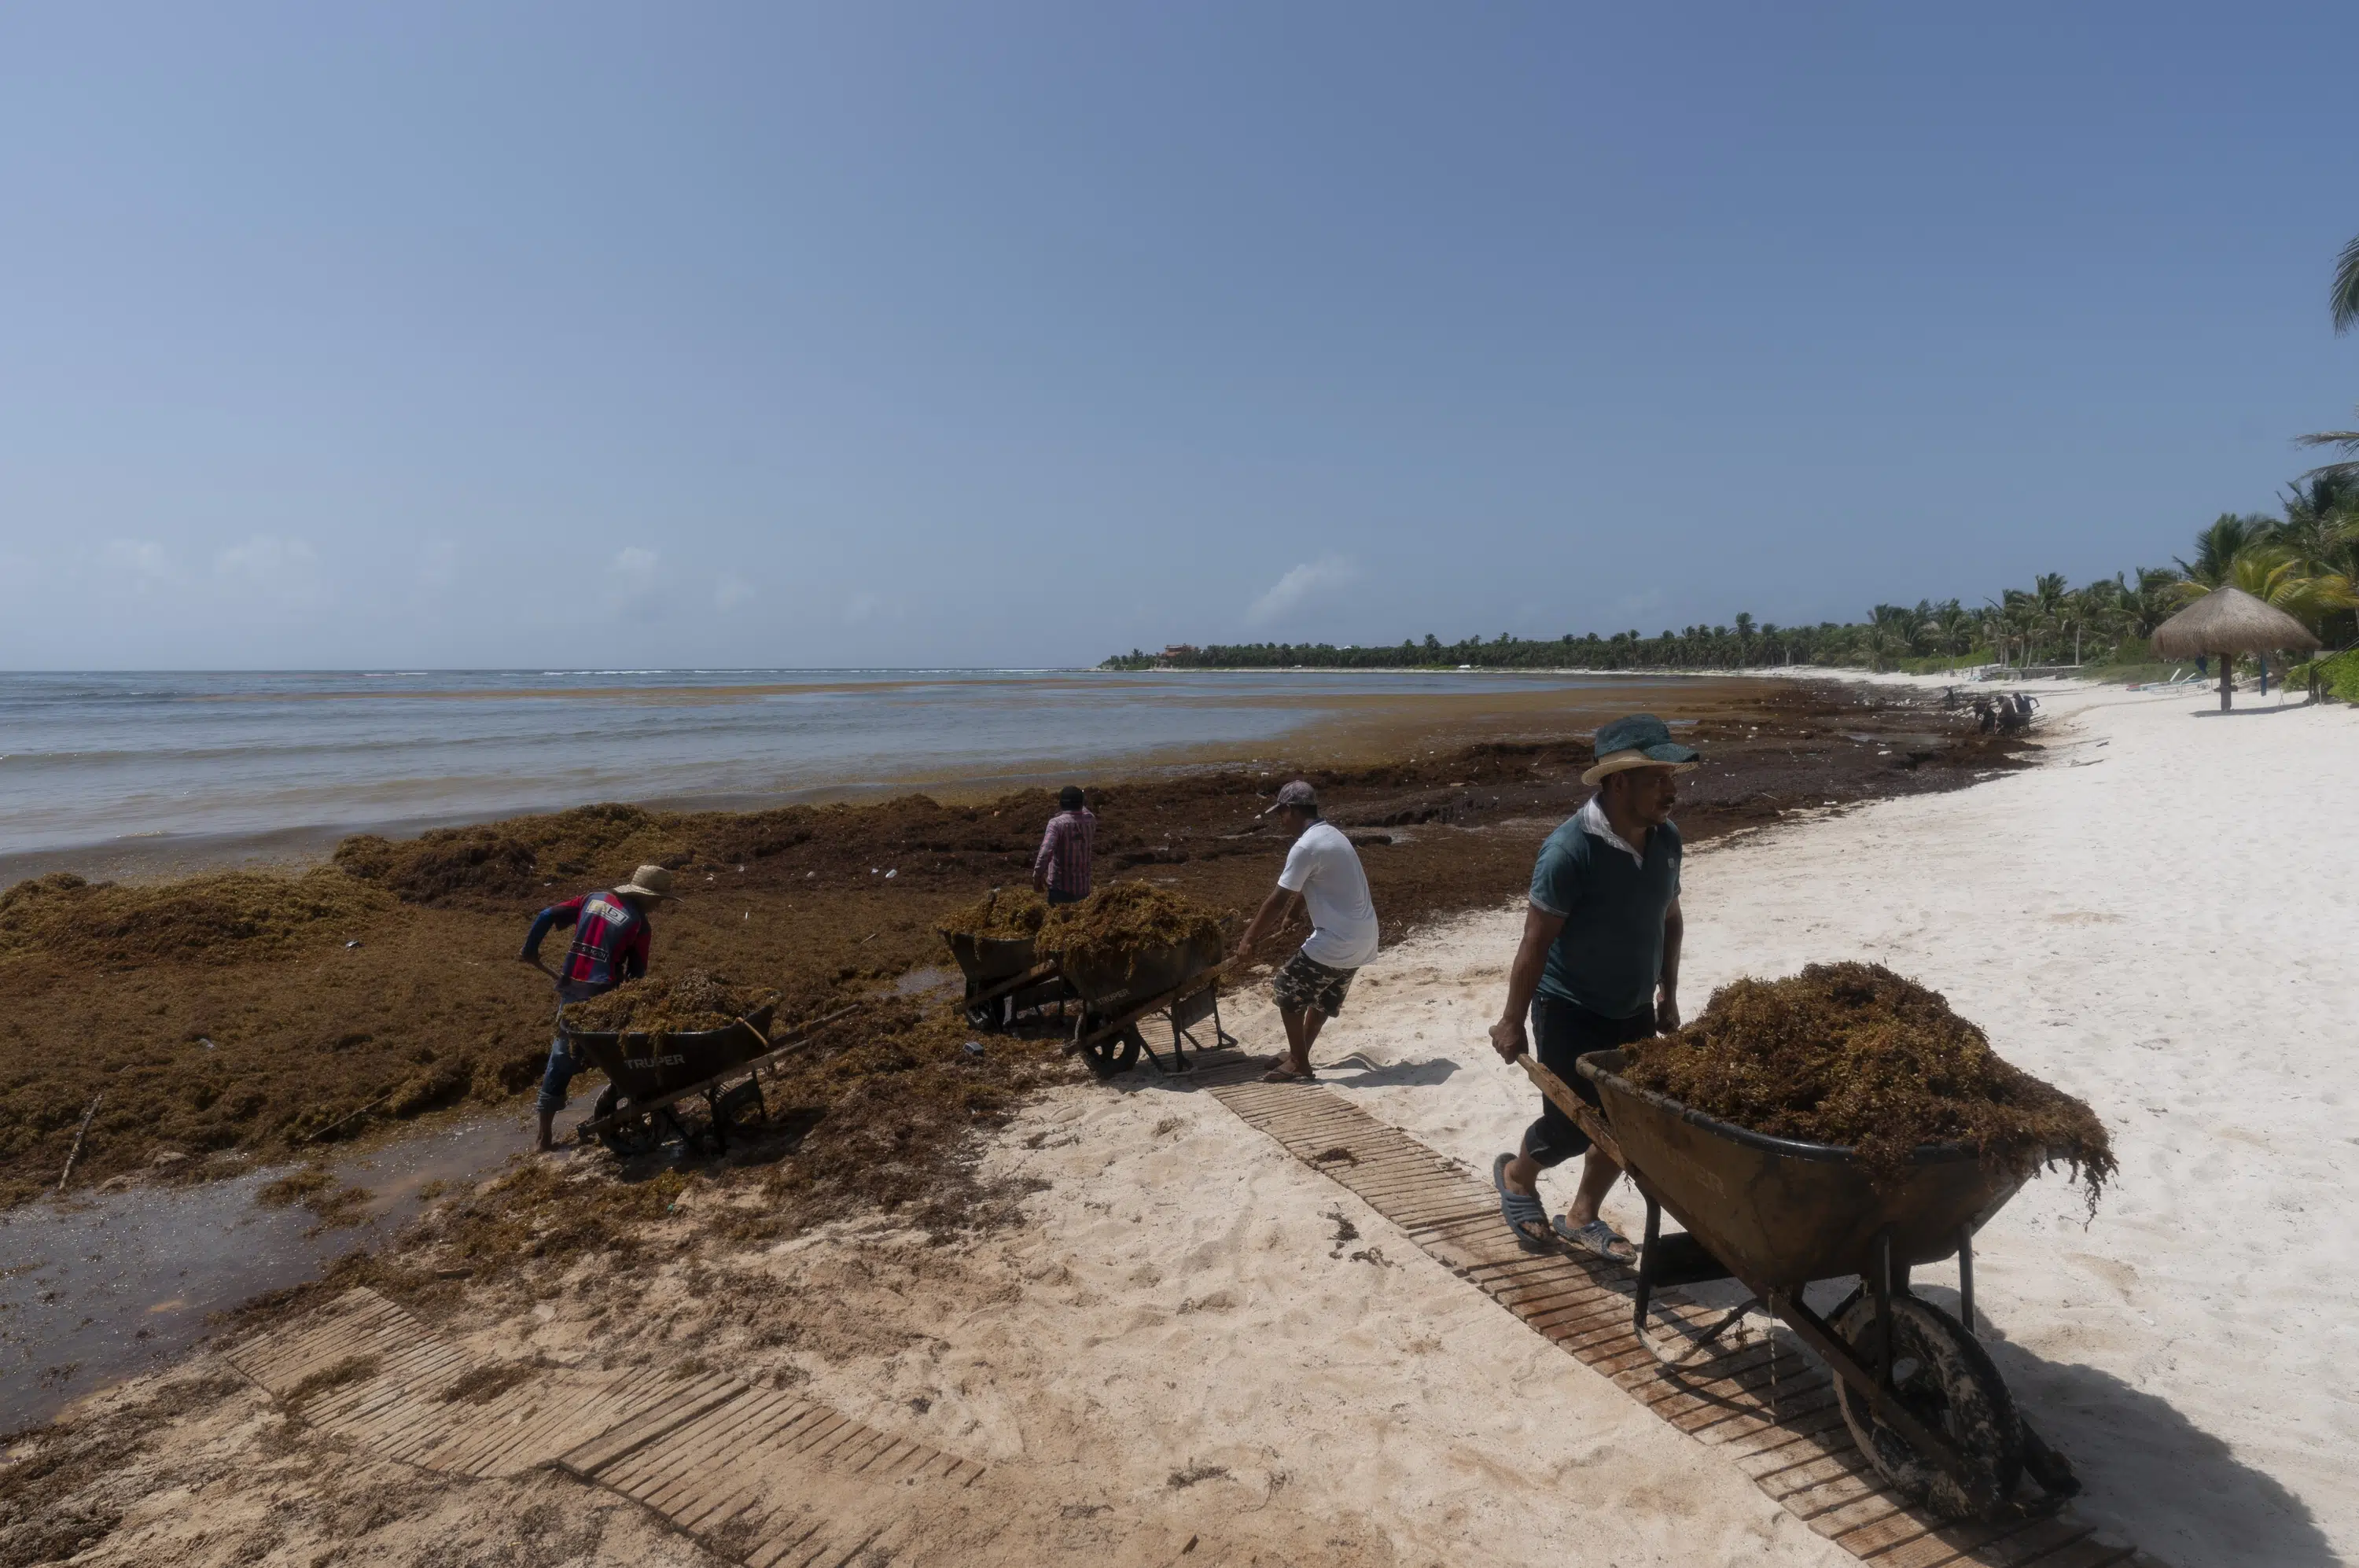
x=2345 y=442
x=2275 y=577
x=2321 y=524
x=1952 y=627
x=2217 y=547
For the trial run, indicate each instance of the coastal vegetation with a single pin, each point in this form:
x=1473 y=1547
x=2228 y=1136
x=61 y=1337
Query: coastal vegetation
x=2304 y=560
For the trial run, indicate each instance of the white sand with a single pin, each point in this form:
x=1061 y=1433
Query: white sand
x=2162 y=921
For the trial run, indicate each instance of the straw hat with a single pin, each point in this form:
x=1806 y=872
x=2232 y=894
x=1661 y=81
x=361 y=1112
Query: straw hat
x=1641 y=740
x=2229 y=620
x=649 y=882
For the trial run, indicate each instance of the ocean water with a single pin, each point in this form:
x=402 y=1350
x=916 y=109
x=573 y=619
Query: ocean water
x=130 y=764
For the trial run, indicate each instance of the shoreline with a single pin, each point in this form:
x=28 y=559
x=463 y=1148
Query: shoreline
x=328 y=1018
x=1337 y=728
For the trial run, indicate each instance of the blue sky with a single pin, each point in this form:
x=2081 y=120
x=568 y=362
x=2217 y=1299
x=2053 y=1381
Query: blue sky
x=572 y=335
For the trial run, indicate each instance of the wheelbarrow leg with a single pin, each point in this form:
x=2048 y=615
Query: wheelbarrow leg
x=1966 y=1278
x=1882 y=1286
x=1647 y=1268
x=1694 y=1267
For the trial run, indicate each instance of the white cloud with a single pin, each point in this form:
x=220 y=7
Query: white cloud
x=632 y=561
x=265 y=557
x=1300 y=583
x=287 y=569
x=730 y=591
x=861 y=607
x=142 y=558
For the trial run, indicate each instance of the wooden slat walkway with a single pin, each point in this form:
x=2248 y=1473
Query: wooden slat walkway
x=1772 y=1411
x=755 y=1475
x=384 y=1380
x=770 y=1479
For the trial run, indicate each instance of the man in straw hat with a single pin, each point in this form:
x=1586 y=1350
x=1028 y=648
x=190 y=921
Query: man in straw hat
x=612 y=936
x=1322 y=872
x=1598 y=965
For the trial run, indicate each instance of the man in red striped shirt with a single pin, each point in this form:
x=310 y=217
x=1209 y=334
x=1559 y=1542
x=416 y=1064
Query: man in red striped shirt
x=1062 y=870
x=611 y=938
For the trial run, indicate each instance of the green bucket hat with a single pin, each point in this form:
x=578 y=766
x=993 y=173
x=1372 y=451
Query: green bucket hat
x=1641 y=740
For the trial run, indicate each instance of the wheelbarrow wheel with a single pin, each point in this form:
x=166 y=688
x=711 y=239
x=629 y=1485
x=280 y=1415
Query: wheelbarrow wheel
x=1115 y=1054
x=1946 y=1380
x=631 y=1135
x=739 y=1112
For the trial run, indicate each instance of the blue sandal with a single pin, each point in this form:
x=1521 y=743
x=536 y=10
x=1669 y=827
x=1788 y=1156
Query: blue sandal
x=1521 y=1210
x=1598 y=1239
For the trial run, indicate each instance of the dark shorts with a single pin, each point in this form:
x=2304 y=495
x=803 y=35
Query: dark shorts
x=557 y=1079
x=1057 y=896
x=1563 y=1033
x=1306 y=986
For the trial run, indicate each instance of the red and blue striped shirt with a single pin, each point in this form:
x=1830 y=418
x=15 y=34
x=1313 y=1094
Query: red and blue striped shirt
x=611 y=941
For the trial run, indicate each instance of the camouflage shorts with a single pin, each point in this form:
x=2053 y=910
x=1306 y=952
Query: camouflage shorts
x=1306 y=986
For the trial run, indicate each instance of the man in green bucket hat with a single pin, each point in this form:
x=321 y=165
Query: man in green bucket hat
x=1598 y=967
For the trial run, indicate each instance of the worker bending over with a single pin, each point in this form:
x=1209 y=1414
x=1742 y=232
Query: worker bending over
x=612 y=937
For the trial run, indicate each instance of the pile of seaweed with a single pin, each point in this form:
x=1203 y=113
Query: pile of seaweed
x=1005 y=913
x=234 y=913
x=1124 y=918
x=1854 y=1055
x=691 y=1002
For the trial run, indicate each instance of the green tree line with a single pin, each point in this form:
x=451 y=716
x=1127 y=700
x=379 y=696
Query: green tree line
x=2304 y=560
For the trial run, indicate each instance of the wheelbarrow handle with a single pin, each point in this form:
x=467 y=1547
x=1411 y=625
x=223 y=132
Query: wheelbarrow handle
x=1585 y=1115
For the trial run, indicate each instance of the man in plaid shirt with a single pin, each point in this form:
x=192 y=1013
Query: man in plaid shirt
x=1062 y=870
x=611 y=941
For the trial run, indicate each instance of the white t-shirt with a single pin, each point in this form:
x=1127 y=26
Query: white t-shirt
x=1325 y=869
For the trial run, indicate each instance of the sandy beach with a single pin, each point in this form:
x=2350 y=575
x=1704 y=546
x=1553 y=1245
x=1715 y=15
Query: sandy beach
x=1194 y=1345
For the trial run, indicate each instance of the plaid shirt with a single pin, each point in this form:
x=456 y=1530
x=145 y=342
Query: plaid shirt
x=611 y=941
x=1064 y=854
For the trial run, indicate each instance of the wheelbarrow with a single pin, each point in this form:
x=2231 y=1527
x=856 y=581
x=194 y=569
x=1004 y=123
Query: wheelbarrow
x=1920 y=1396
x=1118 y=994
x=650 y=1077
x=1004 y=976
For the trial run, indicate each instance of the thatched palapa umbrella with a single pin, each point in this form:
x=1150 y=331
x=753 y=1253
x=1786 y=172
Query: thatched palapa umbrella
x=2227 y=622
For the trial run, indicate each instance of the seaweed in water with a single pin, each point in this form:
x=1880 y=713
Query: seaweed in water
x=1005 y=914
x=1855 y=1055
x=692 y=1002
x=1124 y=918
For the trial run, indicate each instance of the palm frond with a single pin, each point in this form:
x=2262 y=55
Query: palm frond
x=2345 y=298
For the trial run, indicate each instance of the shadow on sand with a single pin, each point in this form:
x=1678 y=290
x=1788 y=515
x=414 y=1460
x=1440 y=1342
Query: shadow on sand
x=1366 y=1075
x=2150 y=1472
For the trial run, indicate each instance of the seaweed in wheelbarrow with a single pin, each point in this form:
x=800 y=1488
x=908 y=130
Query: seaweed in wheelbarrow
x=1854 y=1055
x=692 y=1002
x=1126 y=918
x=1003 y=914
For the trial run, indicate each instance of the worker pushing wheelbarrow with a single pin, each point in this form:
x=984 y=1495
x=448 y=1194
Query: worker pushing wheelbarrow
x=655 y=1080
x=1919 y=1393
x=1120 y=990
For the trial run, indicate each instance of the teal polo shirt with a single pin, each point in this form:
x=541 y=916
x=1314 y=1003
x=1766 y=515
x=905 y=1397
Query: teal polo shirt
x=1610 y=954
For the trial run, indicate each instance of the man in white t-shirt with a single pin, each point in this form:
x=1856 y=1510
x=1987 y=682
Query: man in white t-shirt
x=1322 y=872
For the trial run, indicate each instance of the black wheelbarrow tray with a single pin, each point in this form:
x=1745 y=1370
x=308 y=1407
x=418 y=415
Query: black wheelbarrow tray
x=1919 y=1394
x=1004 y=976
x=1183 y=981
x=650 y=1077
